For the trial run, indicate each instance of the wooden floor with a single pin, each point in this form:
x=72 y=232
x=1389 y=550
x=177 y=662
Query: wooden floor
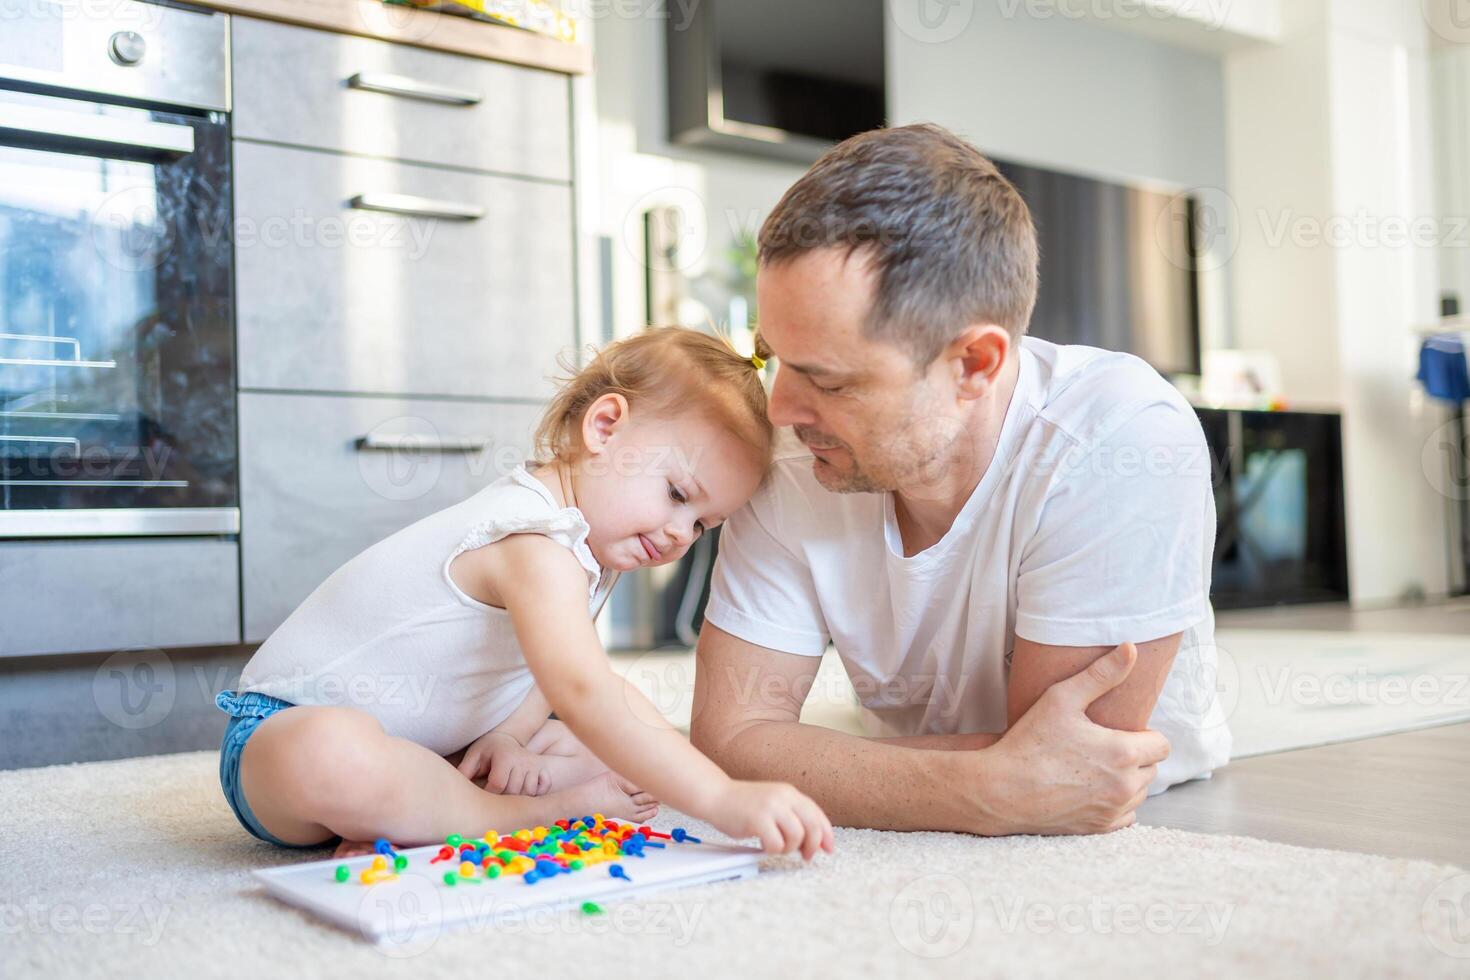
x=1450 y=616
x=1405 y=795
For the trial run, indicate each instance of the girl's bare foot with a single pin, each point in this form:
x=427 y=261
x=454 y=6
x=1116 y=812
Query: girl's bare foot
x=613 y=796
x=354 y=848
x=567 y=771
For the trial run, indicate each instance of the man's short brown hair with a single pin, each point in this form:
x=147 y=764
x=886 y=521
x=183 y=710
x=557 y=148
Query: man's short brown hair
x=951 y=240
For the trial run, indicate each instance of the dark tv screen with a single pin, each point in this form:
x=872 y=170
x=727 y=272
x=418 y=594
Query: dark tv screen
x=1117 y=267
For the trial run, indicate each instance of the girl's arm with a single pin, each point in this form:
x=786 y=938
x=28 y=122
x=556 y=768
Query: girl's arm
x=526 y=720
x=547 y=600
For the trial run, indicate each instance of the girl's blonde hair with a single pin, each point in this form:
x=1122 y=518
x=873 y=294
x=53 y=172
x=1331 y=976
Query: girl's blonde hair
x=669 y=371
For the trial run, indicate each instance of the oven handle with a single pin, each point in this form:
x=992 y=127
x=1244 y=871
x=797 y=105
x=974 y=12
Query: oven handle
x=411 y=88
x=419 y=207
x=382 y=442
x=74 y=132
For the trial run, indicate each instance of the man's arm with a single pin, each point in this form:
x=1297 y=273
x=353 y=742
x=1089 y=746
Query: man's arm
x=945 y=743
x=747 y=702
x=1037 y=666
x=1053 y=772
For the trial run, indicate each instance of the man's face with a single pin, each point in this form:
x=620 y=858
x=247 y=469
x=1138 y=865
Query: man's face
x=873 y=420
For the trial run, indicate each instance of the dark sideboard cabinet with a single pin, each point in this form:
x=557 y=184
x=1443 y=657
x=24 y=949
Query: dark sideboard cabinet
x=1281 y=535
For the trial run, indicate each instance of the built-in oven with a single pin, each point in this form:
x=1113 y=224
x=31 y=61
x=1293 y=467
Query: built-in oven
x=117 y=364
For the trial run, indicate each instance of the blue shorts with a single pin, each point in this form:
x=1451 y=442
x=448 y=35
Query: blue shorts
x=246 y=712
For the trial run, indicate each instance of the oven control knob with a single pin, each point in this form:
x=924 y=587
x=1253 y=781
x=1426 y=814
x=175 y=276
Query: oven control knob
x=127 y=47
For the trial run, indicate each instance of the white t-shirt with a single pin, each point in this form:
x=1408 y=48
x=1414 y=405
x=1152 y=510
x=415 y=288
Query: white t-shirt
x=1094 y=524
x=391 y=634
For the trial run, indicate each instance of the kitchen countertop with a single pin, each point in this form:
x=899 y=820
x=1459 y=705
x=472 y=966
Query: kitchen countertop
x=442 y=32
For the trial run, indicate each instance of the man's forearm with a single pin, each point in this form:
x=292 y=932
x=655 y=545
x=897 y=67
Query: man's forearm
x=885 y=784
x=945 y=743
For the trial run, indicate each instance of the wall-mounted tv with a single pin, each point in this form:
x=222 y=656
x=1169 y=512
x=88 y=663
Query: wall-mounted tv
x=1118 y=266
x=774 y=77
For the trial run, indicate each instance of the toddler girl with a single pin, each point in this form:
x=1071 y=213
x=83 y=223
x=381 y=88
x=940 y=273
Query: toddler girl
x=409 y=697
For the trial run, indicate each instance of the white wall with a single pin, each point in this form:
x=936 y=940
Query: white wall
x=1450 y=76
x=1067 y=94
x=1331 y=163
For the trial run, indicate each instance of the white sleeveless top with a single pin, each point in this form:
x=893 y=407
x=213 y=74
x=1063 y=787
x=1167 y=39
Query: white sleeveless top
x=390 y=633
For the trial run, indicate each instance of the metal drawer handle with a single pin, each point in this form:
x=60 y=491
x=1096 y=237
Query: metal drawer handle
x=411 y=88
x=410 y=442
x=74 y=132
x=422 y=207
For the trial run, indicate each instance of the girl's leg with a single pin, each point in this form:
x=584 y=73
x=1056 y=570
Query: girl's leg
x=563 y=755
x=312 y=773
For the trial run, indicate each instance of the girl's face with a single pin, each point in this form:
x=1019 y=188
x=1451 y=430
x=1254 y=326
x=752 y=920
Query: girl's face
x=650 y=487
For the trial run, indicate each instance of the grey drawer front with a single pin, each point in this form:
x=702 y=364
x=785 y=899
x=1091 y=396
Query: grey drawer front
x=334 y=298
x=291 y=86
x=310 y=499
x=87 y=595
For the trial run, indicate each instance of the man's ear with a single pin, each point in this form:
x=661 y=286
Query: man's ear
x=977 y=356
x=602 y=420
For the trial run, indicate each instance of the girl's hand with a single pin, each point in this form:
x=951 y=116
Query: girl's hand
x=782 y=817
x=508 y=767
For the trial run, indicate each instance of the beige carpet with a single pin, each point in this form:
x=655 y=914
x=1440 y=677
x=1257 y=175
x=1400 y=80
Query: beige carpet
x=137 y=868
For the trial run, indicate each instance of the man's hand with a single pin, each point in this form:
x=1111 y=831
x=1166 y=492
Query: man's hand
x=508 y=767
x=1056 y=772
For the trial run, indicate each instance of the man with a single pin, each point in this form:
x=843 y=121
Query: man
x=1008 y=541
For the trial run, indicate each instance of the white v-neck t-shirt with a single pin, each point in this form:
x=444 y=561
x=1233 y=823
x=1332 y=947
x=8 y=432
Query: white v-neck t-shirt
x=1094 y=524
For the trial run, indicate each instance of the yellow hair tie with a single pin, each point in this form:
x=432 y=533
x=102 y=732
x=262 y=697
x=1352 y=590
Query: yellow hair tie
x=758 y=361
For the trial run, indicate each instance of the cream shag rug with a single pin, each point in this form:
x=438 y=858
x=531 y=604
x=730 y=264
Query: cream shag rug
x=137 y=868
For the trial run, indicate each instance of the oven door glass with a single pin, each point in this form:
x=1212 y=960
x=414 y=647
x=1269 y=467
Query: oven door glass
x=116 y=307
